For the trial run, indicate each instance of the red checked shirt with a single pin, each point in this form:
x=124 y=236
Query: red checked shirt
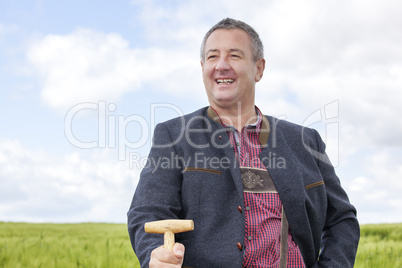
x=262 y=210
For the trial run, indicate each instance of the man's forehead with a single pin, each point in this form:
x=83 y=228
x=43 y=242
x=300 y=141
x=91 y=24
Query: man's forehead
x=229 y=32
x=231 y=39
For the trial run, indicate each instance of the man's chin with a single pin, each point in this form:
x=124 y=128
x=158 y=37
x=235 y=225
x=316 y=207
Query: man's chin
x=224 y=102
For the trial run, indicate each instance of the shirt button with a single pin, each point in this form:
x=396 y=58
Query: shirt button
x=239 y=209
x=249 y=238
x=247 y=208
x=239 y=246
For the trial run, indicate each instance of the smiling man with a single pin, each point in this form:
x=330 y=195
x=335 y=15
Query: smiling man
x=230 y=72
x=261 y=191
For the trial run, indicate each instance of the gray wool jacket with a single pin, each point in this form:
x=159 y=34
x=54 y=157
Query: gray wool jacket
x=192 y=173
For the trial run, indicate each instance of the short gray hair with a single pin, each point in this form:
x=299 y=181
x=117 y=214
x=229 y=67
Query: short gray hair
x=228 y=23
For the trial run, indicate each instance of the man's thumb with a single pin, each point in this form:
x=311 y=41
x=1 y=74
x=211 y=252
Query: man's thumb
x=178 y=250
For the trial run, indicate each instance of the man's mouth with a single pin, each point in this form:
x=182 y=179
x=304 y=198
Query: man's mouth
x=224 y=81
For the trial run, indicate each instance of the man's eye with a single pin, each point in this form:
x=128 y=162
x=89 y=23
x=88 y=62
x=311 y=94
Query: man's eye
x=211 y=56
x=235 y=56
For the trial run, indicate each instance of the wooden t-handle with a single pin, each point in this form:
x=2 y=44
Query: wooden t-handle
x=169 y=228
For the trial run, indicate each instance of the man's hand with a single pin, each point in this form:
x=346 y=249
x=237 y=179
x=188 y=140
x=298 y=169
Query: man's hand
x=162 y=257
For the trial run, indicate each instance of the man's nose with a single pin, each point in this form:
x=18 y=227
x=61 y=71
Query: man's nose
x=222 y=65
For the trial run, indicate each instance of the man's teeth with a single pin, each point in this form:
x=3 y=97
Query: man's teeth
x=225 y=81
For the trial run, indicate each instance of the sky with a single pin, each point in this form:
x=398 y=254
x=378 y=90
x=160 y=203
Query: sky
x=83 y=84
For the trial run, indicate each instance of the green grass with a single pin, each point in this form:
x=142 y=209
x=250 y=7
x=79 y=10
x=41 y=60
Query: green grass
x=65 y=245
x=380 y=246
x=108 y=245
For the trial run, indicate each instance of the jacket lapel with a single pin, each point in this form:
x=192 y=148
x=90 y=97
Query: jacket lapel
x=284 y=169
x=222 y=141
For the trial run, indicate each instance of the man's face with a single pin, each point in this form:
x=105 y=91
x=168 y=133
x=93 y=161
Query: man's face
x=229 y=71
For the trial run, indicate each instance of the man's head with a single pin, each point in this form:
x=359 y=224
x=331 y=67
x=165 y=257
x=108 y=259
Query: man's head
x=227 y=24
x=231 y=65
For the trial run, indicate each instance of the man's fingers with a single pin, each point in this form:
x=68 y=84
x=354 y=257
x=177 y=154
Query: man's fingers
x=162 y=257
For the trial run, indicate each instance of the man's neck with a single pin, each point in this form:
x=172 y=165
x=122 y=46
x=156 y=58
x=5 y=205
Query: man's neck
x=237 y=116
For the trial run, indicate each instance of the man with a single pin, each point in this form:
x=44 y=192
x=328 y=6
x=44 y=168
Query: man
x=261 y=192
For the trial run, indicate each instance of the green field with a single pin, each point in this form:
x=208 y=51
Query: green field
x=108 y=245
x=380 y=246
x=65 y=245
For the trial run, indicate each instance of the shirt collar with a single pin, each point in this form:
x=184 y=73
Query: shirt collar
x=264 y=126
x=256 y=124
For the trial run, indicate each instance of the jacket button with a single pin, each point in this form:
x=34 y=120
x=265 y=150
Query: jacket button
x=239 y=209
x=239 y=246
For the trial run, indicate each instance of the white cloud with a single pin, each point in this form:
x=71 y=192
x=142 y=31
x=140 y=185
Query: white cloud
x=83 y=66
x=38 y=186
x=87 y=66
x=376 y=194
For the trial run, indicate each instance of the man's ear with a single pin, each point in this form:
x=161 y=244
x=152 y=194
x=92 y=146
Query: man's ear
x=260 y=65
x=202 y=66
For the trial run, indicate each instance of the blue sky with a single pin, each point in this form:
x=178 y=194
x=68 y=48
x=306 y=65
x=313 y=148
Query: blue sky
x=83 y=83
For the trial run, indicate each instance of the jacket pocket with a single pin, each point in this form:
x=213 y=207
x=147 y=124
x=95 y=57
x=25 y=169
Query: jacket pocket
x=213 y=171
x=315 y=184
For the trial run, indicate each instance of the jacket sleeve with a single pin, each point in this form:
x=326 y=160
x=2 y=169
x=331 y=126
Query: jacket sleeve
x=341 y=233
x=157 y=196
